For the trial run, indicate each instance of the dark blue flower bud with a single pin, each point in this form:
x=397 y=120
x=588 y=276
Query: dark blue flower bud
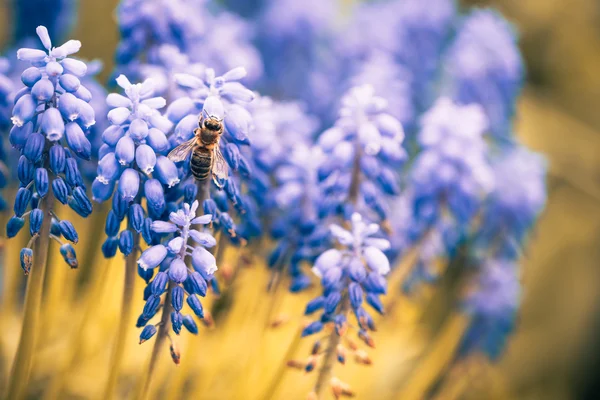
x=375 y=283
x=227 y=223
x=232 y=155
x=68 y=253
x=55 y=227
x=136 y=217
x=331 y=277
x=58 y=159
x=176 y=321
x=26 y=258
x=30 y=76
x=19 y=134
x=151 y=306
x=109 y=247
x=299 y=283
x=177 y=298
x=190 y=324
x=60 y=190
x=331 y=302
x=197 y=284
x=24 y=110
x=195 y=305
x=231 y=189
x=314 y=305
x=373 y=300
x=69 y=82
x=190 y=193
x=178 y=270
x=147 y=292
x=111 y=227
x=72 y=173
x=147 y=231
x=312 y=328
x=68 y=231
x=355 y=293
x=145 y=274
x=77 y=141
x=210 y=207
x=36 y=217
x=84 y=205
x=42 y=90
x=147 y=333
x=34 y=147
x=112 y=134
x=41 y=181
x=141 y=321
x=25 y=170
x=155 y=196
x=14 y=225
x=387 y=181
x=126 y=242
x=120 y=206
x=220 y=199
x=340 y=324
x=22 y=201
x=87 y=117
x=357 y=270
x=159 y=283
x=102 y=192
x=245 y=168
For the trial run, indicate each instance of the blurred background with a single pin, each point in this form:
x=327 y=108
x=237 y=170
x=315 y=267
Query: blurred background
x=554 y=353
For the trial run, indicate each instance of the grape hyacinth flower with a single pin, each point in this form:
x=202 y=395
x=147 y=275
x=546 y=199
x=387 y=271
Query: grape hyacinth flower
x=133 y=159
x=51 y=118
x=179 y=281
x=352 y=277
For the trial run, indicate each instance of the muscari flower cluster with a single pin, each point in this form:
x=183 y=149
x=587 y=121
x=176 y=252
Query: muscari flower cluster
x=6 y=89
x=174 y=277
x=51 y=117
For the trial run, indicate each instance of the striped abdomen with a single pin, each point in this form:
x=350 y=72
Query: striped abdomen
x=201 y=162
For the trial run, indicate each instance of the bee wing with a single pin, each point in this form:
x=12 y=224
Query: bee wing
x=220 y=170
x=182 y=151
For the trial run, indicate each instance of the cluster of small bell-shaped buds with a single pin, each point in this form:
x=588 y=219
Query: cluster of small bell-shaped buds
x=133 y=158
x=364 y=149
x=52 y=110
x=174 y=276
x=350 y=277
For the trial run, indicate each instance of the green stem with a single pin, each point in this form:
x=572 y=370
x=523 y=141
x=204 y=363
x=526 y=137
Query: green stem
x=23 y=361
x=126 y=306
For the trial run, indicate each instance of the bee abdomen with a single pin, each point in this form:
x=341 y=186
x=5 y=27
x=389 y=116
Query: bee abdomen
x=200 y=163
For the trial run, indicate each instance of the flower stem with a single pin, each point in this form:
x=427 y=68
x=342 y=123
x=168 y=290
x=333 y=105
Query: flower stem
x=124 y=322
x=22 y=363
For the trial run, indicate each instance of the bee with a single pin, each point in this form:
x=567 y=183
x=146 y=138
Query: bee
x=206 y=157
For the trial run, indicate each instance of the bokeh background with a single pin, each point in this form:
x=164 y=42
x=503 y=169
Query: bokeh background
x=554 y=354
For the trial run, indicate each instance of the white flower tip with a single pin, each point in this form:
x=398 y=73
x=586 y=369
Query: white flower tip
x=123 y=82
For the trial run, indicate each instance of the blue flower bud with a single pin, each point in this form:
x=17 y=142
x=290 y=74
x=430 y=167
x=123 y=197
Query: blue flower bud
x=203 y=261
x=166 y=171
x=238 y=124
x=126 y=242
x=20 y=93
x=147 y=231
x=151 y=306
x=115 y=100
x=331 y=302
x=52 y=124
x=24 y=110
x=145 y=158
x=68 y=231
x=312 y=328
x=54 y=69
x=375 y=283
x=190 y=192
x=299 y=283
x=197 y=284
x=25 y=170
x=83 y=93
x=112 y=134
x=355 y=293
x=75 y=67
x=19 y=134
x=387 y=181
x=26 y=258
x=138 y=129
x=141 y=321
x=357 y=271
x=155 y=196
x=195 y=305
x=190 y=324
x=117 y=116
x=87 y=116
x=227 y=223
x=60 y=190
x=14 y=225
x=244 y=167
x=136 y=217
x=77 y=141
x=81 y=201
x=30 y=76
x=177 y=320
x=147 y=333
x=34 y=147
x=159 y=283
x=36 y=217
x=125 y=150
x=54 y=227
x=22 y=201
x=41 y=181
x=180 y=108
x=158 y=141
x=314 y=305
x=232 y=155
x=72 y=173
x=58 y=159
x=236 y=92
x=152 y=256
x=331 y=277
x=145 y=274
x=68 y=253
x=42 y=90
x=108 y=168
x=111 y=228
x=203 y=238
x=177 y=298
x=129 y=184
x=178 y=271
x=210 y=207
x=373 y=300
x=69 y=82
x=68 y=105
